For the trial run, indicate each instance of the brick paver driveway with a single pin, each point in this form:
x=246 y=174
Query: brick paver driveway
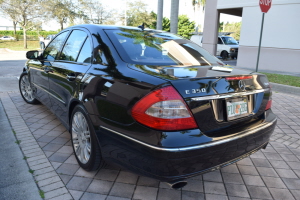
x=273 y=173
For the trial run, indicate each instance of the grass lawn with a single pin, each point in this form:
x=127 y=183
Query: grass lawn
x=19 y=45
x=283 y=79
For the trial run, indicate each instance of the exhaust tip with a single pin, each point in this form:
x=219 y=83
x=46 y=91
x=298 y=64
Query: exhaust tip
x=178 y=185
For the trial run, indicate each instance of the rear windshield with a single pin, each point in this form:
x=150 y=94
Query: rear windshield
x=159 y=48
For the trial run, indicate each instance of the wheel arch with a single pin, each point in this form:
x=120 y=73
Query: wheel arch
x=224 y=51
x=73 y=104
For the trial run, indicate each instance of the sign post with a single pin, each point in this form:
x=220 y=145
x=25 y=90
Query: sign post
x=265 y=5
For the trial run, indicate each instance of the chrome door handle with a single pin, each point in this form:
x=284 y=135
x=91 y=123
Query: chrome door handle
x=70 y=77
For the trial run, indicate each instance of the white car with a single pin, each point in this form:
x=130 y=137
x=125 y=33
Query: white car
x=227 y=46
x=7 y=38
x=48 y=39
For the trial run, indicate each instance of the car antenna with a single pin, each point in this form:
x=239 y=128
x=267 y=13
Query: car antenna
x=142 y=26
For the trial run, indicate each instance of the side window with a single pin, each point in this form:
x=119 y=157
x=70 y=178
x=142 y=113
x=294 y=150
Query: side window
x=85 y=53
x=73 y=46
x=220 y=41
x=53 y=48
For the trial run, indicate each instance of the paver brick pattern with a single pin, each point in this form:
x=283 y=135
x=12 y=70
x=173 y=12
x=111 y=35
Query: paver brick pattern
x=273 y=173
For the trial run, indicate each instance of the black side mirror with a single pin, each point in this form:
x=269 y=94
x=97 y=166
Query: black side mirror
x=32 y=54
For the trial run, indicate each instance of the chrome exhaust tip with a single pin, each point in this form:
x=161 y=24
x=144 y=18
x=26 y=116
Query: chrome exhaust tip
x=177 y=185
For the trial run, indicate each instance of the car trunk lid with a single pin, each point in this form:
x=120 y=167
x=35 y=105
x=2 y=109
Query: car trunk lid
x=220 y=98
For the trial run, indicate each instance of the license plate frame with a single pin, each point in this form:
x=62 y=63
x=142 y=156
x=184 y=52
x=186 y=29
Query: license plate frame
x=237 y=108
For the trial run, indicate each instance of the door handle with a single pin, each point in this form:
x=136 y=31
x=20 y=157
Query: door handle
x=71 y=77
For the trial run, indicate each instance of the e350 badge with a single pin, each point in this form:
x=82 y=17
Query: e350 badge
x=195 y=91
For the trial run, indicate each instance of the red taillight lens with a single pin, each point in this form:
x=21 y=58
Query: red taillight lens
x=164 y=109
x=238 y=78
x=269 y=105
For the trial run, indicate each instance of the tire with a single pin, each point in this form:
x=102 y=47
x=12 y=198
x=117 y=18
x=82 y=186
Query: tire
x=84 y=140
x=224 y=55
x=26 y=89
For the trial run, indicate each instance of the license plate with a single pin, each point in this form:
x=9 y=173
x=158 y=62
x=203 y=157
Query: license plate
x=237 y=108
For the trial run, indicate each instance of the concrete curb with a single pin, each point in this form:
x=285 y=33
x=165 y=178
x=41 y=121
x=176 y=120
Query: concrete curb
x=13 y=50
x=15 y=172
x=285 y=88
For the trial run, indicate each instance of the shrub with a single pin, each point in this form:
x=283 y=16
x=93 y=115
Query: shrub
x=31 y=35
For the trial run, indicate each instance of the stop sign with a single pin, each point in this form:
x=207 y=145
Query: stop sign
x=265 y=5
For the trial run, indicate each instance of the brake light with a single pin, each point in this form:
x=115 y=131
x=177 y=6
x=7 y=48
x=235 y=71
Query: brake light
x=269 y=105
x=238 y=78
x=164 y=109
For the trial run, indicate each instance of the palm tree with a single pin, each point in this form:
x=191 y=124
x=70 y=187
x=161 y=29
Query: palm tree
x=198 y=3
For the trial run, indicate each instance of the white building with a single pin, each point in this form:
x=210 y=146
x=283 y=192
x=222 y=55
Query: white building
x=9 y=28
x=280 y=49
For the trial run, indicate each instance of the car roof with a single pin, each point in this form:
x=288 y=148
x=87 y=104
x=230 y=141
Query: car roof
x=95 y=27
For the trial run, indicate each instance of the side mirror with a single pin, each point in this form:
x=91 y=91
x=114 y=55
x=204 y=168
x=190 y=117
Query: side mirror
x=32 y=55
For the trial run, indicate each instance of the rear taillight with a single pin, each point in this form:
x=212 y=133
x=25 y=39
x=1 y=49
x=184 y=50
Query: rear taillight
x=269 y=105
x=164 y=109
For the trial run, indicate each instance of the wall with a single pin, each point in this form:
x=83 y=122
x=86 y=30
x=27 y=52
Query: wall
x=246 y=3
x=280 y=41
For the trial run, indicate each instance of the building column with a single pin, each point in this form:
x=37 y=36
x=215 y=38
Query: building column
x=211 y=26
x=160 y=10
x=174 y=16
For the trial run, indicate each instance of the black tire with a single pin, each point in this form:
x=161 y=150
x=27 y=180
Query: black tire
x=224 y=55
x=26 y=89
x=86 y=148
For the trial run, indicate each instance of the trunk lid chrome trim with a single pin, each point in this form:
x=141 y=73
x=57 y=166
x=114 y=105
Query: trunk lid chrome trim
x=222 y=96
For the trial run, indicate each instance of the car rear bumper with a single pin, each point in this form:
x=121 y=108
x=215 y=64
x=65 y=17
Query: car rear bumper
x=175 y=164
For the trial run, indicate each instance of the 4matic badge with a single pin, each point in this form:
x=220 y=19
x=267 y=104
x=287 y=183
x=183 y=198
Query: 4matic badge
x=195 y=91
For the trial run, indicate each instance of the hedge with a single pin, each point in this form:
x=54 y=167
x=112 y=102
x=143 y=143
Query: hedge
x=31 y=35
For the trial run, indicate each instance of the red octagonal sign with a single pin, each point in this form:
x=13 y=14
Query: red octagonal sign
x=265 y=5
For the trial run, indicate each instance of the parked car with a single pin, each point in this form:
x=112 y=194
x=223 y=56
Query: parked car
x=7 y=38
x=227 y=46
x=149 y=101
x=47 y=40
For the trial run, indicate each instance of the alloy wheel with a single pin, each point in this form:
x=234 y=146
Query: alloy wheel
x=26 y=89
x=81 y=137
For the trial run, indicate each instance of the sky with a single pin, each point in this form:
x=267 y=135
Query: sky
x=120 y=6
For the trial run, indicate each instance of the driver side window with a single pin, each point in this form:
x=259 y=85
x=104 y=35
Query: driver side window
x=53 y=48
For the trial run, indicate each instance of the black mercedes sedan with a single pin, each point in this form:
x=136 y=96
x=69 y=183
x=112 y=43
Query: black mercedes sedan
x=149 y=101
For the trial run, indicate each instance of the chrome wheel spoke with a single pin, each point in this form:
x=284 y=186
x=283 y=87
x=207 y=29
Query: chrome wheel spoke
x=75 y=140
x=86 y=153
x=82 y=155
x=78 y=150
x=75 y=129
x=88 y=147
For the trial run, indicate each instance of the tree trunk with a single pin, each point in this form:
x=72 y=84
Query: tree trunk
x=25 y=38
x=15 y=28
x=61 y=25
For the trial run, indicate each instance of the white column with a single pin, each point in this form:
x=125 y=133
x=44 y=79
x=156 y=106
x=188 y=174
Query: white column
x=174 y=16
x=160 y=9
x=211 y=26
